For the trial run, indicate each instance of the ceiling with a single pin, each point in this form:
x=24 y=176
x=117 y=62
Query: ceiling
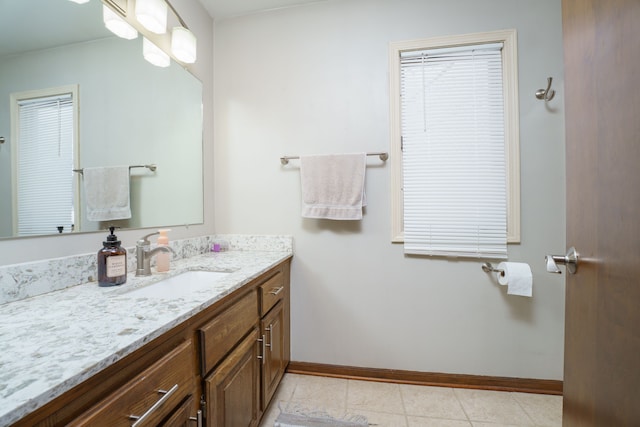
x=221 y=9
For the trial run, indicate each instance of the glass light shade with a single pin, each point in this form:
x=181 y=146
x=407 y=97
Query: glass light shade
x=183 y=45
x=117 y=25
x=80 y=1
x=154 y=54
x=152 y=14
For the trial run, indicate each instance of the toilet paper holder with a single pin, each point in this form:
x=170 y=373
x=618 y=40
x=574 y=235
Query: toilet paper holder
x=488 y=268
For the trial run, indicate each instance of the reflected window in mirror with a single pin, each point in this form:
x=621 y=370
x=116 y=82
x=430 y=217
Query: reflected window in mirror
x=43 y=132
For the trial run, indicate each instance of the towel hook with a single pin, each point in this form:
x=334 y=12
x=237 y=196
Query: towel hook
x=548 y=93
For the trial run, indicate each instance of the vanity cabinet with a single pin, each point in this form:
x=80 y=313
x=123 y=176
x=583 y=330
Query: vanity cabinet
x=219 y=367
x=243 y=369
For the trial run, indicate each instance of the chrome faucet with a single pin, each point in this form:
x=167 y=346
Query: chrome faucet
x=144 y=254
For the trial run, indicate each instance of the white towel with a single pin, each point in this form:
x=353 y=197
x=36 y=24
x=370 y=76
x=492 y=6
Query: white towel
x=333 y=186
x=106 y=191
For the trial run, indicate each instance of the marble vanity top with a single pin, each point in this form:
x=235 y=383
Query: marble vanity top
x=52 y=342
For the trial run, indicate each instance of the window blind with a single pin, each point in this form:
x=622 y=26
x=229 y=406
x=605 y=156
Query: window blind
x=454 y=171
x=45 y=165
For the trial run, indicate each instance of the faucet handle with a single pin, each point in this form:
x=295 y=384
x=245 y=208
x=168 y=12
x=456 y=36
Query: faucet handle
x=144 y=241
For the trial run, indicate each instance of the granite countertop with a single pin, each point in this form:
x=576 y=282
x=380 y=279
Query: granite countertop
x=52 y=342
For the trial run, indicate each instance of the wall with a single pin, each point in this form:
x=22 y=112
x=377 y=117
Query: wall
x=29 y=249
x=313 y=80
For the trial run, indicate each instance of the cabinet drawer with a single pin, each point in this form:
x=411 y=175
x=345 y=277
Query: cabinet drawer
x=220 y=335
x=271 y=292
x=163 y=385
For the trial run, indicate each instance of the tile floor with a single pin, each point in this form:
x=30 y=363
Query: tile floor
x=400 y=405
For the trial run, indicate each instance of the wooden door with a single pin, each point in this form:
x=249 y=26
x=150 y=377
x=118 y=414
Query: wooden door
x=232 y=390
x=602 y=331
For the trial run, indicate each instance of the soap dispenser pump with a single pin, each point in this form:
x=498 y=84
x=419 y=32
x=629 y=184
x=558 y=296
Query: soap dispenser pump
x=112 y=262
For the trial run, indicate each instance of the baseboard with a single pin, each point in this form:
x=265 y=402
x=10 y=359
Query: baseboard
x=523 y=385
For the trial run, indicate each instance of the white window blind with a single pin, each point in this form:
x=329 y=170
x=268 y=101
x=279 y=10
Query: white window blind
x=45 y=165
x=452 y=124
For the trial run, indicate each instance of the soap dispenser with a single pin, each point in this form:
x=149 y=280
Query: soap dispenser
x=162 y=258
x=112 y=262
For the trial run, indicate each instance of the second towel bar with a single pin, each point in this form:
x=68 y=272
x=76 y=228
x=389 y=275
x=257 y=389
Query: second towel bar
x=152 y=168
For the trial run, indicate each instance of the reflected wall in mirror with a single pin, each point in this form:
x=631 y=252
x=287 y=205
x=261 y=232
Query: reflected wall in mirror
x=129 y=112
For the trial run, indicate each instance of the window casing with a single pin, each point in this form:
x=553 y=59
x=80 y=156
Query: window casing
x=511 y=128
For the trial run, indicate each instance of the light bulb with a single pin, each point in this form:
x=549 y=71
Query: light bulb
x=154 y=54
x=183 y=45
x=117 y=25
x=152 y=14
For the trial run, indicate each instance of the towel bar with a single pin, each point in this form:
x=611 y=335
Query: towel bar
x=152 y=168
x=383 y=156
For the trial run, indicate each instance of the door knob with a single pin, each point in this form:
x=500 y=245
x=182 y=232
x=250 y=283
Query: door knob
x=570 y=260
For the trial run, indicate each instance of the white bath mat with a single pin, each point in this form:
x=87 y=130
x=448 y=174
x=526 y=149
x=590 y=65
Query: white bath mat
x=301 y=417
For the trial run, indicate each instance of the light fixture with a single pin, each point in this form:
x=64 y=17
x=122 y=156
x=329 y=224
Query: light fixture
x=80 y=1
x=152 y=14
x=183 y=45
x=117 y=25
x=154 y=54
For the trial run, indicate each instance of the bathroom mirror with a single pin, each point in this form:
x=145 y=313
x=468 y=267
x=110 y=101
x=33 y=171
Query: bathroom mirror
x=129 y=112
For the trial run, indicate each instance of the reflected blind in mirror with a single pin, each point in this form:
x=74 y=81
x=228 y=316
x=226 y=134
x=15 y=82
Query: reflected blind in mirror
x=44 y=165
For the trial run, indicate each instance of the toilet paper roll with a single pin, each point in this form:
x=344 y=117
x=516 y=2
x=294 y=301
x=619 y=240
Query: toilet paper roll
x=518 y=278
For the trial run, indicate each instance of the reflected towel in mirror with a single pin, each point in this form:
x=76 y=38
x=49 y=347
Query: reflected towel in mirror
x=106 y=191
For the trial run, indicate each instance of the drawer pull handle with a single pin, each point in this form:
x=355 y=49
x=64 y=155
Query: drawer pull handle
x=270 y=345
x=197 y=419
x=166 y=394
x=264 y=350
x=276 y=291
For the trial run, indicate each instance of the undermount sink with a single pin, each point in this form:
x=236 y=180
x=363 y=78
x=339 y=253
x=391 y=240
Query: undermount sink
x=180 y=285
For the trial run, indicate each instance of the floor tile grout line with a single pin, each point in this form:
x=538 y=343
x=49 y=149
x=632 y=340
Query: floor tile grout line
x=455 y=394
x=404 y=407
x=511 y=395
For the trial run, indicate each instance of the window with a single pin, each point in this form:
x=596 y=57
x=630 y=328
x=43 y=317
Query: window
x=44 y=131
x=455 y=156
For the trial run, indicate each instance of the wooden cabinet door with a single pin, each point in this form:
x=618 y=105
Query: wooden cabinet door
x=274 y=362
x=181 y=417
x=232 y=390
